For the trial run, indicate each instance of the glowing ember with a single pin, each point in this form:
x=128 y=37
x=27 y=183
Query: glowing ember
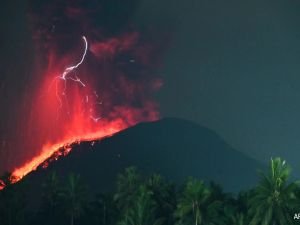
x=2 y=185
x=49 y=150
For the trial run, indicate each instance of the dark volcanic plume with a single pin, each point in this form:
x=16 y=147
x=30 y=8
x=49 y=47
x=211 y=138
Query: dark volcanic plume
x=94 y=75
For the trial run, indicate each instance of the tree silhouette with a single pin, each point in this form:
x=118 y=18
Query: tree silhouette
x=192 y=204
x=274 y=197
x=51 y=199
x=127 y=186
x=102 y=210
x=152 y=200
x=74 y=197
x=143 y=211
x=238 y=219
x=164 y=194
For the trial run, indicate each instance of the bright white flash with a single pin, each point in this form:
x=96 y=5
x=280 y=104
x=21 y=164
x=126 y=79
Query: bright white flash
x=71 y=68
x=66 y=75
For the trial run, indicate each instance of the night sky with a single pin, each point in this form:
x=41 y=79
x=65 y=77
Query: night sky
x=232 y=66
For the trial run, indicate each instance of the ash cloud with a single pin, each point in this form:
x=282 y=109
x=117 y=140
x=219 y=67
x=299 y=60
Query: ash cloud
x=117 y=49
x=121 y=65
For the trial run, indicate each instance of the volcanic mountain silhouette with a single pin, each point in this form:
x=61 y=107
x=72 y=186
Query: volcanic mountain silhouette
x=174 y=148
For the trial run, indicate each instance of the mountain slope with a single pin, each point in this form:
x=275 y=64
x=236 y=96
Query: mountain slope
x=172 y=147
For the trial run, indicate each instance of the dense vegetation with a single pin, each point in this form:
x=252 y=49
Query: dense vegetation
x=151 y=200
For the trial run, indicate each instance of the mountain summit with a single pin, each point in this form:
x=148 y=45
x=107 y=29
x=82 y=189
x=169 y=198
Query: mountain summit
x=174 y=148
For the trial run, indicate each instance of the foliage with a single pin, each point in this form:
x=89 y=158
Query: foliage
x=74 y=197
x=274 y=198
x=152 y=200
x=193 y=203
x=143 y=210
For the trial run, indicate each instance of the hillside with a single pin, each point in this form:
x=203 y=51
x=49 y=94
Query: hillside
x=172 y=147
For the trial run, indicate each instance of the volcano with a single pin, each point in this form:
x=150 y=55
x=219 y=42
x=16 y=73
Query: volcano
x=172 y=147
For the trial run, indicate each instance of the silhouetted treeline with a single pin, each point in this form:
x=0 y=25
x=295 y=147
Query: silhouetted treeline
x=152 y=200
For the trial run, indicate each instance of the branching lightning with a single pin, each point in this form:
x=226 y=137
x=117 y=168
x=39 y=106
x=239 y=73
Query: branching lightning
x=64 y=76
x=71 y=68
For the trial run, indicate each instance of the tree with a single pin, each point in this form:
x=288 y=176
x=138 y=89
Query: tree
x=51 y=199
x=274 y=197
x=102 y=210
x=127 y=186
x=74 y=197
x=191 y=207
x=51 y=191
x=220 y=206
x=240 y=214
x=143 y=211
x=164 y=195
x=238 y=219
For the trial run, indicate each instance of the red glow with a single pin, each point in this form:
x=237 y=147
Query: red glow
x=50 y=149
x=2 y=185
x=63 y=112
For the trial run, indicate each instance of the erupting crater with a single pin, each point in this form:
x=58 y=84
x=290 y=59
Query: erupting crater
x=91 y=99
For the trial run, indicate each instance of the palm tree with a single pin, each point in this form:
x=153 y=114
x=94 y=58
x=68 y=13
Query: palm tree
x=192 y=205
x=239 y=210
x=143 y=211
x=51 y=198
x=221 y=206
x=238 y=219
x=74 y=197
x=103 y=209
x=127 y=186
x=51 y=191
x=164 y=195
x=274 y=197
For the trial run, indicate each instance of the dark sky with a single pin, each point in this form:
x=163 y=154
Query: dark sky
x=232 y=66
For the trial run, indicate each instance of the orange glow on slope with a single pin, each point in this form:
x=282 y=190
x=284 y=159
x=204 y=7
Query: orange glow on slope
x=48 y=150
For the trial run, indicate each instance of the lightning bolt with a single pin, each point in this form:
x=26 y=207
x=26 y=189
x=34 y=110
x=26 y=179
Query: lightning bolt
x=65 y=75
x=95 y=119
x=71 y=68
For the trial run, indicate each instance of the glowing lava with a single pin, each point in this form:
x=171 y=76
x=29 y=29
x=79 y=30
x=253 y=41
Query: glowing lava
x=103 y=101
x=48 y=151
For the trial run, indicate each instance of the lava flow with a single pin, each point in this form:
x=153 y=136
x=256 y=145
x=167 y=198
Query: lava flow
x=48 y=151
